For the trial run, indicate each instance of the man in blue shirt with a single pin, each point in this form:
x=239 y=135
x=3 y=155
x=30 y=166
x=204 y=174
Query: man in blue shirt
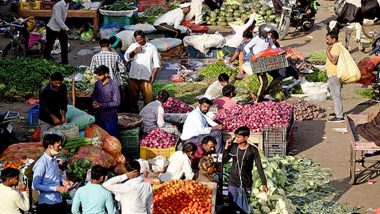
x=106 y=100
x=47 y=179
x=100 y=198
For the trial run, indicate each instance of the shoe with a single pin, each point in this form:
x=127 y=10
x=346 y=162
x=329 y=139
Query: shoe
x=335 y=120
x=332 y=115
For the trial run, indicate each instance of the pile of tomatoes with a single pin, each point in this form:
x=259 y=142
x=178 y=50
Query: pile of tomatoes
x=182 y=197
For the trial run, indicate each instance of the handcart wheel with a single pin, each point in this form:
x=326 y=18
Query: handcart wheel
x=353 y=166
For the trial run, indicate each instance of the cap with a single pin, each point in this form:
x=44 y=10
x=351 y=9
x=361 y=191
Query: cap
x=183 y=5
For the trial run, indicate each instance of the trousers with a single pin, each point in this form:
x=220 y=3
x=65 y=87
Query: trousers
x=51 y=36
x=335 y=87
x=135 y=87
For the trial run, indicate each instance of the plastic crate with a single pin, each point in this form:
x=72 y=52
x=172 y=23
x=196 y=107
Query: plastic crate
x=269 y=63
x=33 y=115
x=130 y=137
x=273 y=149
x=121 y=21
x=131 y=153
x=149 y=153
x=194 y=53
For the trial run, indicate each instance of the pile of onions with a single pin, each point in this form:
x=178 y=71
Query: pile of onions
x=176 y=106
x=158 y=138
x=255 y=116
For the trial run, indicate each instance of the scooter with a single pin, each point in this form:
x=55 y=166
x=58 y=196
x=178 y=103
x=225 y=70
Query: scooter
x=7 y=135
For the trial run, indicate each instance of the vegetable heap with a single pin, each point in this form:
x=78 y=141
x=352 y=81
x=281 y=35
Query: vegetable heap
x=173 y=105
x=265 y=14
x=78 y=169
x=158 y=138
x=317 y=57
x=179 y=197
x=152 y=13
x=87 y=84
x=304 y=110
x=119 y=5
x=297 y=59
x=255 y=116
x=295 y=185
x=317 y=76
x=226 y=14
x=21 y=78
x=214 y=69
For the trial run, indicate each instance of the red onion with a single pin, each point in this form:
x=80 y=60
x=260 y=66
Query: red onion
x=173 y=105
x=158 y=138
x=255 y=116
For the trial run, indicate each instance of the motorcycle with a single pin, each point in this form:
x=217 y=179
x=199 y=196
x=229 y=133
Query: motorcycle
x=295 y=16
x=21 y=40
x=7 y=135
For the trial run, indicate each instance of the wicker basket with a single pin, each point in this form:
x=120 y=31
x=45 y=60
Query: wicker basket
x=129 y=120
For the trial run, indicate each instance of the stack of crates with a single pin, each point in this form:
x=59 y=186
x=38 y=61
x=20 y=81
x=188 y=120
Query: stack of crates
x=277 y=139
x=130 y=141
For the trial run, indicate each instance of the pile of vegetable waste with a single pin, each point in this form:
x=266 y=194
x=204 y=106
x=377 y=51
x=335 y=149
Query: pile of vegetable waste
x=23 y=77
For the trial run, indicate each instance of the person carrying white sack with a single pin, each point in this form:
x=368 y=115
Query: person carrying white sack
x=170 y=22
x=195 y=11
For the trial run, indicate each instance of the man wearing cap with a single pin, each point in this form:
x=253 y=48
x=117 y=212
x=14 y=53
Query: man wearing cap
x=170 y=22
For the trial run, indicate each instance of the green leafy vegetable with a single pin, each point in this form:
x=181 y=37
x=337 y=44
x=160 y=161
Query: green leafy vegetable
x=214 y=69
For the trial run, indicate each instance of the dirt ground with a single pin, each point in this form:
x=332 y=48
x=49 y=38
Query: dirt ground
x=314 y=139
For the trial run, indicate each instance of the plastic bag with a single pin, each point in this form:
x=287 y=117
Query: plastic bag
x=87 y=35
x=346 y=69
x=112 y=145
x=95 y=131
x=96 y=155
x=108 y=30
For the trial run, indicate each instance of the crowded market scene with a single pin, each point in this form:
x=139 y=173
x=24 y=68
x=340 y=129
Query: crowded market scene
x=189 y=106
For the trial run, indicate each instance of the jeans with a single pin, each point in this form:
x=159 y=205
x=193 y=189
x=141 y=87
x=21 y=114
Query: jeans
x=233 y=193
x=51 y=36
x=109 y=125
x=335 y=90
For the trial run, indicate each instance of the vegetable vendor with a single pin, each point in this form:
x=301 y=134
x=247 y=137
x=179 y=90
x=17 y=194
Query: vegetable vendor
x=204 y=149
x=215 y=89
x=153 y=115
x=243 y=157
x=180 y=165
x=170 y=22
x=198 y=125
x=256 y=45
x=145 y=64
x=53 y=102
x=239 y=52
x=195 y=11
x=226 y=101
x=106 y=100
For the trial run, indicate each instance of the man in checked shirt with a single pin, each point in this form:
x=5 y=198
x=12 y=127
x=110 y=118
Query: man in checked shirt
x=117 y=70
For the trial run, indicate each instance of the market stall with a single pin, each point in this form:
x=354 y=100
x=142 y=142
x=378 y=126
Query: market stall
x=89 y=14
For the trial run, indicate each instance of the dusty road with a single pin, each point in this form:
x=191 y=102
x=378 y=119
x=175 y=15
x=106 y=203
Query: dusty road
x=314 y=139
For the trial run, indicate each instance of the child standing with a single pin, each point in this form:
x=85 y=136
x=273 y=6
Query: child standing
x=243 y=157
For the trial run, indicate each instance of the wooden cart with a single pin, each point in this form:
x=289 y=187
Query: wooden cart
x=359 y=147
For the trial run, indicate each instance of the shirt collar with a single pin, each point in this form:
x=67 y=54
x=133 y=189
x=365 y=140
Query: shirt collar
x=137 y=180
x=50 y=158
x=2 y=185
